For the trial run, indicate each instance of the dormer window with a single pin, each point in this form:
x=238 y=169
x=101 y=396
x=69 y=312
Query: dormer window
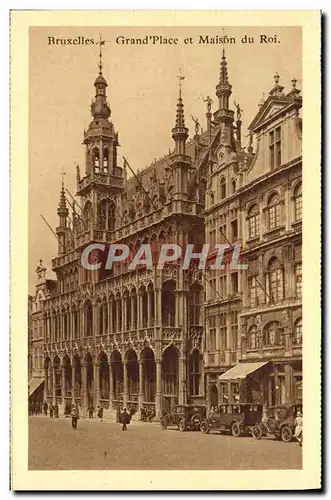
x=275 y=148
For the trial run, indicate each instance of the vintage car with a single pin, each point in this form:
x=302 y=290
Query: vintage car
x=185 y=417
x=236 y=418
x=279 y=421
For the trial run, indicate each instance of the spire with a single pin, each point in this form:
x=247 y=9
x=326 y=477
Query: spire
x=99 y=107
x=223 y=89
x=62 y=208
x=223 y=70
x=180 y=132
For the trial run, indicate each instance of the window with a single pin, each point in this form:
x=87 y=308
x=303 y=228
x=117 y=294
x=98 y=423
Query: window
x=195 y=373
x=223 y=188
x=273 y=334
x=224 y=390
x=234 y=230
x=298 y=203
x=234 y=283
x=212 y=233
x=253 y=295
x=195 y=305
x=298 y=280
x=273 y=211
x=212 y=198
x=223 y=332
x=223 y=286
x=212 y=284
x=298 y=332
x=233 y=186
x=223 y=236
x=275 y=148
x=253 y=221
x=212 y=333
x=276 y=281
x=234 y=330
x=252 y=337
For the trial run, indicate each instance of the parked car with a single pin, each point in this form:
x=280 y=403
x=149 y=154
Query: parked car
x=279 y=421
x=185 y=417
x=238 y=418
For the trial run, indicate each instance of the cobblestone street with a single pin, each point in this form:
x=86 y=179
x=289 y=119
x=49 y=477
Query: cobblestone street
x=53 y=444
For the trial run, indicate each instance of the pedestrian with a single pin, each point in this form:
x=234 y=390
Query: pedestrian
x=298 y=422
x=90 y=410
x=74 y=416
x=125 y=417
x=100 y=413
x=45 y=408
x=56 y=410
x=51 y=410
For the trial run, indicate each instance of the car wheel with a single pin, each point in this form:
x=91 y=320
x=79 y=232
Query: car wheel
x=204 y=427
x=257 y=432
x=235 y=429
x=286 y=434
x=163 y=423
x=181 y=425
x=270 y=425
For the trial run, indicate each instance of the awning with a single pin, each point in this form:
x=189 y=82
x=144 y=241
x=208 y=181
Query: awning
x=241 y=370
x=34 y=383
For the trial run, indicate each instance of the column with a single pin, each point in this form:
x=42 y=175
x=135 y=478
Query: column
x=110 y=316
x=96 y=379
x=73 y=369
x=117 y=315
x=133 y=318
x=141 y=383
x=182 y=381
x=111 y=386
x=46 y=383
x=139 y=311
x=53 y=384
x=125 y=384
x=158 y=396
x=63 y=382
x=84 y=385
x=288 y=383
x=157 y=302
x=149 y=309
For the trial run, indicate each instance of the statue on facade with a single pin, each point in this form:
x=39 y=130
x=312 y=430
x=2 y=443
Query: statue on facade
x=239 y=111
x=197 y=125
x=209 y=102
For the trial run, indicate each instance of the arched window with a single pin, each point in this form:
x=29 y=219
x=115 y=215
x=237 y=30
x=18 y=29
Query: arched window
x=273 y=334
x=195 y=372
x=223 y=188
x=233 y=186
x=111 y=216
x=253 y=221
x=275 y=276
x=103 y=211
x=297 y=197
x=252 y=337
x=297 y=339
x=212 y=198
x=195 y=304
x=273 y=211
x=105 y=162
x=89 y=318
x=168 y=303
x=96 y=159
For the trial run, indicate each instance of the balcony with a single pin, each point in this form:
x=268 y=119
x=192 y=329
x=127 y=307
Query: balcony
x=171 y=333
x=274 y=233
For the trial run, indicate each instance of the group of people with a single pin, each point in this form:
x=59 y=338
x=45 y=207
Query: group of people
x=39 y=408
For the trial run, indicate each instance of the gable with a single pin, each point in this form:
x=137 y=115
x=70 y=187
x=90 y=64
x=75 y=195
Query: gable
x=270 y=108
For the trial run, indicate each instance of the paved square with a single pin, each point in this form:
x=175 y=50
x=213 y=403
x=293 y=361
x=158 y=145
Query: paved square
x=53 y=444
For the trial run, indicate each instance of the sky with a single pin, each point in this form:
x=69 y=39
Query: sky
x=142 y=92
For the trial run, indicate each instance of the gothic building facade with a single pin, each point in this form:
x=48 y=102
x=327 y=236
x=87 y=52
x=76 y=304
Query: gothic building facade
x=156 y=337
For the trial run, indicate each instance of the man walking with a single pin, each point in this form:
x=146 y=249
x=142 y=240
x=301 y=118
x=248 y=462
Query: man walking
x=74 y=416
x=125 y=419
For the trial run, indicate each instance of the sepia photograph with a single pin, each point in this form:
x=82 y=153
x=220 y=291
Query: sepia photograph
x=165 y=211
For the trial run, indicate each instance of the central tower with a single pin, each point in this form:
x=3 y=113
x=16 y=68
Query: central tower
x=103 y=181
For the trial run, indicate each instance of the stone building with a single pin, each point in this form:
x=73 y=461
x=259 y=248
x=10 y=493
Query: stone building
x=150 y=338
x=36 y=334
x=254 y=316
